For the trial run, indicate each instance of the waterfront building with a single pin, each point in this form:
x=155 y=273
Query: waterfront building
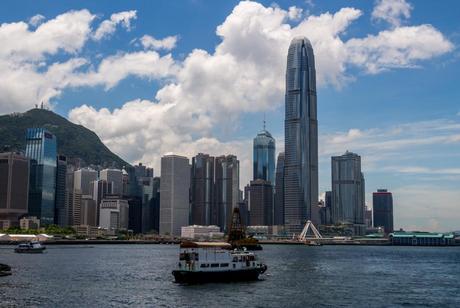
x=383 y=209
x=100 y=190
x=116 y=177
x=87 y=211
x=301 y=136
x=174 y=194
x=417 y=238
x=14 y=188
x=196 y=232
x=244 y=212
x=82 y=180
x=348 y=194
x=135 y=214
x=114 y=214
x=155 y=206
x=41 y=147
x=326 y=209
x=29 y=223
x=278 y=210
x=264 y=157
x=368 y=217
x=61 y=212
x=227 y=192
x=259 y=194
x=202 y=190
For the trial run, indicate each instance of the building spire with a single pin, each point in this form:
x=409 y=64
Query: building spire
x=264 y=120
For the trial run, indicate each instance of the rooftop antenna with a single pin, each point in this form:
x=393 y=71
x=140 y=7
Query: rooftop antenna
x=264 y=120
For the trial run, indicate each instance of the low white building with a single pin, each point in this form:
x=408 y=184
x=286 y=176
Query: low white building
x=196 y=232
x=29 y=223
x=114 y=215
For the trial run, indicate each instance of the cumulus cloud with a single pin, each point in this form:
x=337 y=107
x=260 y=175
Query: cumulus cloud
x=108 y=27
x=391 y=11
x=36 y=20
x=167 y=43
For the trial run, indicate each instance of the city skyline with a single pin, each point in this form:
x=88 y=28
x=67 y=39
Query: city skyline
x=407 y=137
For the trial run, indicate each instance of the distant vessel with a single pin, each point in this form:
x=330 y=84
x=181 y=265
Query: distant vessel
x=216 y=261
x=31 y=247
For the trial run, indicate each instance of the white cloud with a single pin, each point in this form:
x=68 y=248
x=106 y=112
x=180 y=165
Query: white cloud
x=36 y=20
x=294 y=13
x=166 y=43
x=107 y=27
x=391 y=11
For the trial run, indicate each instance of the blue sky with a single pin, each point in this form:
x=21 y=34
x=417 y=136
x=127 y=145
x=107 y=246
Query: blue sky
x=151 y=77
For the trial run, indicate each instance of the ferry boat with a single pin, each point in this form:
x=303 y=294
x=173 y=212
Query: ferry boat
x=216 y=261
x=31 y=247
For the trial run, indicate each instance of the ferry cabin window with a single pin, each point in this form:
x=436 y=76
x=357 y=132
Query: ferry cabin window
x=214 y=264
x=204 y=265
x=224 y=265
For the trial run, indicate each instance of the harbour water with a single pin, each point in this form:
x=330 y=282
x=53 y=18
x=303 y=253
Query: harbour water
x=297 y=276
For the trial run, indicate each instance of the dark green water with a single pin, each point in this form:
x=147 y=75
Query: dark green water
x=297 y=276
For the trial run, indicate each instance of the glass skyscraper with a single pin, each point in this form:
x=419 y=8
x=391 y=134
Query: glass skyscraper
x=264 y=157
x=383 y=209
x=301 y=136
x=41 y=148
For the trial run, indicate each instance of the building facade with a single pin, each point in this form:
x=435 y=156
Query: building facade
x=202 y=190
x=114 y=215
x=348 y=191
x=383 y=210
x=14 y=188
x=264 y=157
x=301 y=136
x=278 y=208
x=227 y=191
x=259 y=195
x=116 y=177
x=82 y=180
x=61 y=217
x=174 y=194
x=41 y=147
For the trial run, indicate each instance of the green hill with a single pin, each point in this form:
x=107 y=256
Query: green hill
x=73 y=141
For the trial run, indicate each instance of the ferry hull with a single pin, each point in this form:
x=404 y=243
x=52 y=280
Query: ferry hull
x=221 y=276
x=30 y=250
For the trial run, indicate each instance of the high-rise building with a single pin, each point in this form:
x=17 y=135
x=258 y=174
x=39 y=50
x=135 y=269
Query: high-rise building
x=348 y=194
x=100 y=190
x=61 y=217
x=87 y=211
x=116 y=177
x=227 y=191
x=383 y=209
x=174 y=194
x=114 y=214
x=301 y=136
x=259 y=195
x=41 y=147
x=264 y=157
x=82 y=180
x=14 y=188
x=202 y=190
x=155 y=206
x=278 y=210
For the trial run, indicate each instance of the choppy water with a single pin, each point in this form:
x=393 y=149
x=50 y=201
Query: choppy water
x=298 y=276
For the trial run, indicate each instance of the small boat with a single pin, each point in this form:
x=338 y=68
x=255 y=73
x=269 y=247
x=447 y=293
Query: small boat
x=201 y=262
x=313 y=243
x=31 y=247
x=5 y=270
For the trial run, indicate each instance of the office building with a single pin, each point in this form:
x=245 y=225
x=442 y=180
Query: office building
x=174 y=194
x=116 y=177
x=135 y=214
x=154 y=214
x=100 y=190
x=383 y=210
x=301 y=136
x=326 y=209
x=114 y=214
x=82 y=180
x=348 y=194
x=195 y=232
x=278 y=210
x=29 y=223
x=14 y=188
x=87 y=211
x=61 y=217
x=41 y=147
x=264 y=157
x=259 y=195
x=227 y=191
x=202 y=190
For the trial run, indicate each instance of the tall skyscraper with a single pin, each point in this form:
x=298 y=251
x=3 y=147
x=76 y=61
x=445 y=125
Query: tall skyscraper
x=100 y=190
x=82 y=180
x=227 y=191
x=264 y=157
x=14 y=188
x=278 y=211
x=202 y=189
x=259 y=196
x=41 y=147
x=348 y=197
x=301 y=136
x=174 y=194
x=116 y=177
x=383 y=209
x=61 y=217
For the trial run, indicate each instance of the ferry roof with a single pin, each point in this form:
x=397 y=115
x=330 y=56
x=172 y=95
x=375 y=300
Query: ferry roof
x=223 y=245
